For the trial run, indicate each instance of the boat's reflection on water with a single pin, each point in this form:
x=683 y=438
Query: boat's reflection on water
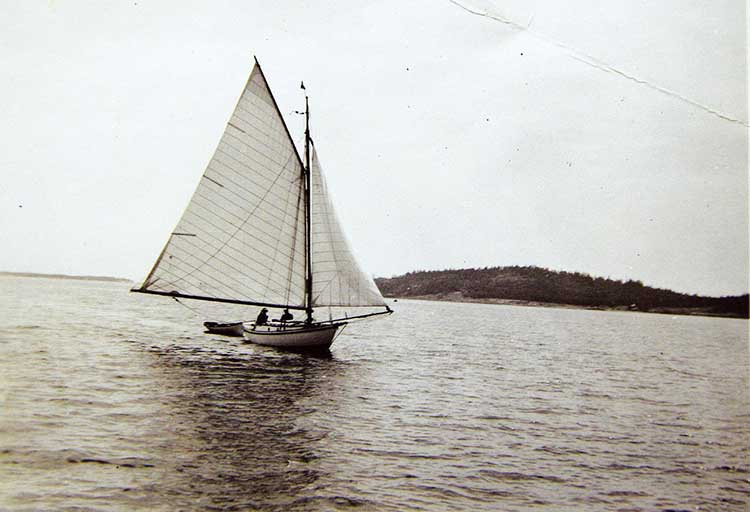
x=241 y=433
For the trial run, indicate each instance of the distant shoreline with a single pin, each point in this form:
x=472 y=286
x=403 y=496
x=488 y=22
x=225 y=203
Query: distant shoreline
x=542 y=287
x=65 y=276
x=683 y=311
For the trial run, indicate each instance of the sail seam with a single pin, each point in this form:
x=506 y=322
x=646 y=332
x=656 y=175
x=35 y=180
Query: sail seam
x=278 y=239
x=254 y=155
x=273 y=129
x=220 y=283
x=208 y=237
x=228 y=178
x=256 y=250
x=252 y=148
x=238 y=228
x=279 y=224
x=245 y=165
x=239 y=271
x=178 y=279
x=298 y=207
x=212 y=205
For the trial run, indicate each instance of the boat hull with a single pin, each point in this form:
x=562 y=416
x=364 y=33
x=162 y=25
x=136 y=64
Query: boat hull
x=235 y=329
x=317 y=337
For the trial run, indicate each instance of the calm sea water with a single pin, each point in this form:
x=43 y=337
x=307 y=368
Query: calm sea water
x=117 y=401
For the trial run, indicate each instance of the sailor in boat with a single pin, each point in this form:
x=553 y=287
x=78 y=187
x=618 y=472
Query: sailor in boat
x=286 y=317
x=312 y=259
x=262 y=318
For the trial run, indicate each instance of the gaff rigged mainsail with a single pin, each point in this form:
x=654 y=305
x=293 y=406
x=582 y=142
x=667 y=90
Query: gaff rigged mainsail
x=244 y=237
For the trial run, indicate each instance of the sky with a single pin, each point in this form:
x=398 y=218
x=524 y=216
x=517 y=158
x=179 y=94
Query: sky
x=602 y=137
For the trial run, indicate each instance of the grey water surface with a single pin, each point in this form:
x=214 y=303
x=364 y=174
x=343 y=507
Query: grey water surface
x=118 y=401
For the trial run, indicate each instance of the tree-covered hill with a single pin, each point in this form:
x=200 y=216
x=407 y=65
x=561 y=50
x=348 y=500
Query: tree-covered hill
x=541 y=285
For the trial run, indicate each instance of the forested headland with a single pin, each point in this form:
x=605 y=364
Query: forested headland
x=540 y=286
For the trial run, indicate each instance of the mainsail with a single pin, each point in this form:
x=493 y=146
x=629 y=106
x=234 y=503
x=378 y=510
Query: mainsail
x=242 y=236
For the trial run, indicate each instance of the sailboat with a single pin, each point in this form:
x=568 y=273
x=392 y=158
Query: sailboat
x=260 y=230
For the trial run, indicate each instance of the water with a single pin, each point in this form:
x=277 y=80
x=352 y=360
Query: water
x=117 y=401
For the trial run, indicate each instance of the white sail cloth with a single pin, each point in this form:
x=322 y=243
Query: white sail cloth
x=337 y=278
x=242 y=236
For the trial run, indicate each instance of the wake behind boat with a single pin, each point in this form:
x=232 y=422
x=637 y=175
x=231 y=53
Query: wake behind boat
x=261 y=230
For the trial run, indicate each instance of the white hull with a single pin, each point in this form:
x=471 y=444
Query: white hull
x=317 y=337
x=304 y=244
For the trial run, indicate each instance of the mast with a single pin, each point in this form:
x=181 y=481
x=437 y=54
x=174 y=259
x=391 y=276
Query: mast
x=308 y=224
x=216 y=255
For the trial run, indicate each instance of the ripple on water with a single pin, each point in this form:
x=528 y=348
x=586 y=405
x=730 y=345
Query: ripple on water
x=125 y=404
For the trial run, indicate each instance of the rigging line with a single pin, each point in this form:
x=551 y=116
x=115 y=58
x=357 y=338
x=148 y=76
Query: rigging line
x=202 y=270
x=237 y=211
x=198 y=286
x=327 y=205
x=245 y=168
x=200 y=194
x=156 y=290
x=195 y=311
x=300 y=194
x=276 y=108
x=270 y=207
x=319 y=185
x=245 y=171
x=278 y=240
x=351 y=279
x=337 y=274
x=261 y=173
x=339 y=333
x=208 y=297
x=381 y=305
x=221 y=272
x=387 y=311
x=200 y=274
x=247 y=165
x=207 y=247
x=215 y=206
x=218 y=299
x=247 y=218
x=229 y=257
x=592 y=61
x=230 y=176
x=325 y=261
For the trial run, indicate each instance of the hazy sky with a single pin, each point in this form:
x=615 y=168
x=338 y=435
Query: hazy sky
x=602 y=137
